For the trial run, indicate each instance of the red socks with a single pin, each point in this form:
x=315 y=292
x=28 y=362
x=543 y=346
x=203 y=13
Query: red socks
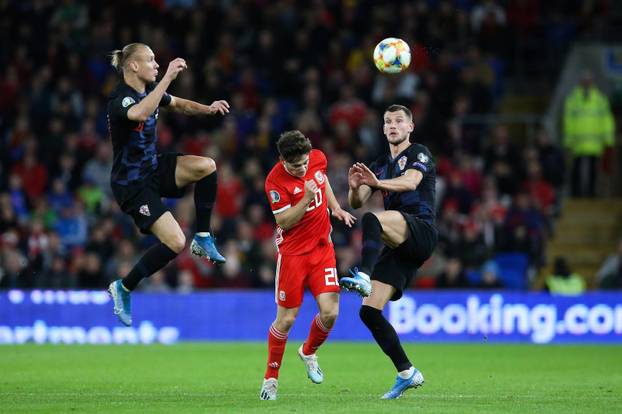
x=317 y=336
x=276 y=348
x=277 y=341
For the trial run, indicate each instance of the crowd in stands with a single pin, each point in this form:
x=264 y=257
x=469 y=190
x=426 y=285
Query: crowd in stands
x=281 y=65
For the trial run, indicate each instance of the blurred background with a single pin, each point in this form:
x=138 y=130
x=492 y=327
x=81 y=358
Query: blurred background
x=517 y=100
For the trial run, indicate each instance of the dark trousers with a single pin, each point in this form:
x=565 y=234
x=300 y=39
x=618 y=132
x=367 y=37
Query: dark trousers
x=584 y=176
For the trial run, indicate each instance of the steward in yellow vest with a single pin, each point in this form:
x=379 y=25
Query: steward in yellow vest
x=588 y=130
x=563 y=282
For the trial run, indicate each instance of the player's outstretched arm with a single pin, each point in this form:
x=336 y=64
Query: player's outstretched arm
x=290 y=217
x=336 y=210
x=406 y=182
x=358 y=192
x=188 y=107
x=143 y=110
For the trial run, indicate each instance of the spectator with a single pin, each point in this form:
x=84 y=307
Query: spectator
x=471 y=247
x=609 y=275
x=91 y=274
x=524 y=229
x=156 y=283
x=563 y=281
x=454 y=276
x=588 y=132
x=541 y=191
x=33 y=175
x=97 y=169
x=501 y=162
x=59 y=197
x=185 y=282
x=490 y=276
x=14 y=271
x=72 y=226
x=551 y=160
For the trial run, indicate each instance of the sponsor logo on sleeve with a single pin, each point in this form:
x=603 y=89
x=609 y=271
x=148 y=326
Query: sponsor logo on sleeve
x=275 y=197
x=420 y=167
x=297 y=190
x=422 y=160
x=127 y=101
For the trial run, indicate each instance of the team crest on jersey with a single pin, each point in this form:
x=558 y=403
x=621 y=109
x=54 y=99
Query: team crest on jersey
x=422 y=157
x=319 y=177
x=402 y=162
x=275 y=196
x=127 y=101
x=144 y=210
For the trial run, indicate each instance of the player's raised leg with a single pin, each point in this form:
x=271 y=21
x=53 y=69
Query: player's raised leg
x=172 y=242
x=202 y=172
x=321 y=326
x=381 y=228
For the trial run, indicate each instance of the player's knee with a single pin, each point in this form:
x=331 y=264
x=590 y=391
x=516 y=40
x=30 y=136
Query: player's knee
x=285 y=323
x=371 y=220
x=369 y=315
x=177 y=243
x=369 y=216
x=205 y=167
x=329 y=316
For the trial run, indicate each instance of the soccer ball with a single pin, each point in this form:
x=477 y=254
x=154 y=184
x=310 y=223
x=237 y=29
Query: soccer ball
x=392 y=55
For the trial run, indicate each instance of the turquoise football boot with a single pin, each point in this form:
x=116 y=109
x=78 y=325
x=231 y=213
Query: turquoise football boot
x=401 y=385
x=205 y=247
x=122 y=302
x=359 y=282
x=314 y=372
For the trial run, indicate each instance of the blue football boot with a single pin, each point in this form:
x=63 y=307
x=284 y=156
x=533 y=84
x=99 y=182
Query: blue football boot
x=122 y=302
x=205 y=247
x=401 y=385
x=359 y=282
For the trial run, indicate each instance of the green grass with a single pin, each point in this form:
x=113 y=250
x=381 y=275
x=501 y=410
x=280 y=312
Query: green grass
x=225 y=378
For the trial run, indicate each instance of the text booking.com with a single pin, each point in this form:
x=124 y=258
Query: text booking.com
x=539 y=322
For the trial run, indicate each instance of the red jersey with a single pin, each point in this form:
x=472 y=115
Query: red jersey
x=285 y=190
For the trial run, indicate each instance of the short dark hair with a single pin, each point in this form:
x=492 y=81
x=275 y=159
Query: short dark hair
x=395 y=108
x=292 y=145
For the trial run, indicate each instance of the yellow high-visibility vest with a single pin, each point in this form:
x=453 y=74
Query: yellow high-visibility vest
x=572 y=285
x=588 y=122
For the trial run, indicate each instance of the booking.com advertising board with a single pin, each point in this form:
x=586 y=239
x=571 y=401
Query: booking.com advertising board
x=85 y=317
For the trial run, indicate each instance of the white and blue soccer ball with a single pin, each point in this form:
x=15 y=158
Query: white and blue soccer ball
x=392 y=55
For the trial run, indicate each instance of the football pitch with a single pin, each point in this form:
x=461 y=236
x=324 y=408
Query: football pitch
x=226 y=377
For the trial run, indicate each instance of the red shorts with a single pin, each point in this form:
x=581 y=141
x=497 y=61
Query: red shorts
x=316 y=270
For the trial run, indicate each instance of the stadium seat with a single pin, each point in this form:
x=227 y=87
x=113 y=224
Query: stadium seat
x=513 y=269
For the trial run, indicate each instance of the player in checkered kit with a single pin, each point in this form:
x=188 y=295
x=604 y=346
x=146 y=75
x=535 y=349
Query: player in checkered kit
x=396 y=241
x=140 y=176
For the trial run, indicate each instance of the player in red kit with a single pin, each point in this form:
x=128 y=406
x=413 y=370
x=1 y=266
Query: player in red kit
x=300 y=197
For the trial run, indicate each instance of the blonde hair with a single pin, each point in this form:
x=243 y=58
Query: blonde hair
x=120 y=56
